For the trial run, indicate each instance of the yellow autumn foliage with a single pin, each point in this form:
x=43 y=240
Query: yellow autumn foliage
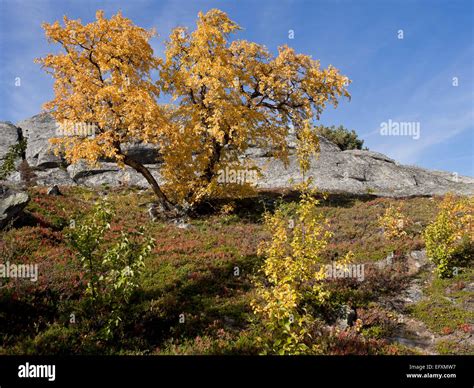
x=451 y=235
x=291 y=286
x=394 y=223
x=226 y=96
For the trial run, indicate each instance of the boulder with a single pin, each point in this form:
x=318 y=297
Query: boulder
x=54 y=191
x=346 y=317
x=12 y=202
x=38 y=130
x=42 y=127
x=53 y=176
x=143 y=153
x=109 y=174
x=416 y=260
x=9 y=136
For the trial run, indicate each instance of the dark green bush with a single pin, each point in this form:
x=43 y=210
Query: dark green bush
x=342 y=137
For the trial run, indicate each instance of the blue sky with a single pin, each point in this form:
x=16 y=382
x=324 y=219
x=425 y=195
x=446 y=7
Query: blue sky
x=403 y=80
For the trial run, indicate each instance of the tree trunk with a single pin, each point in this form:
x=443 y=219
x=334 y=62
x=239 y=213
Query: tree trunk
x=209 y=172
x=215 y=158
x=137 y=166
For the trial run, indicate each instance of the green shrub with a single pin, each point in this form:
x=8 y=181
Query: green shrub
x=342 y=137
x=112 y=270
x=57 y=340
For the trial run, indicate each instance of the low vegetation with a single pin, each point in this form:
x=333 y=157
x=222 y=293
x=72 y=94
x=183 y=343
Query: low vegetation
x=194 y=292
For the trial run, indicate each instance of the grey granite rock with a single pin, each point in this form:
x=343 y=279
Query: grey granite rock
x=53 y=176
x=12 y=202
x=356 y=172
x=109 y=174
x=54 y=191
x=9 y=136
x=363 y=172
x=38 y=130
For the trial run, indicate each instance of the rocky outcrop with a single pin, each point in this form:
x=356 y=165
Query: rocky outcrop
x=9 y=136
x=357 y=172
x=109 y=174
x=37 y=130
x=12 y=202
x=363 y=172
